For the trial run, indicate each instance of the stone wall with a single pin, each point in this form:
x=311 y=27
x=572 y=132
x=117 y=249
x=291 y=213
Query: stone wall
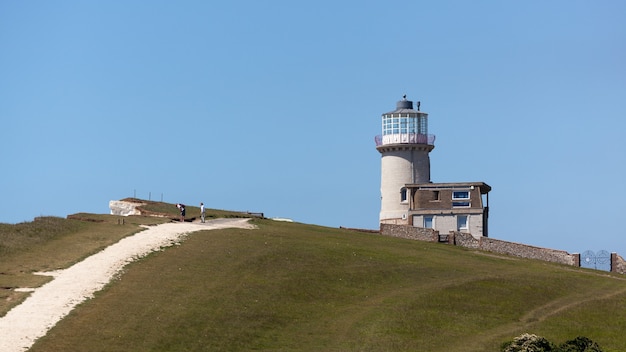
x=618 y=264
x=515 y=249
x=409 y=232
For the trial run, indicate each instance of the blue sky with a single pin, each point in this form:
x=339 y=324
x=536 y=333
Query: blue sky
x=272 y=106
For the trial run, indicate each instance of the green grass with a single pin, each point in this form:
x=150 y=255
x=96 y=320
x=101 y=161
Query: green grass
x=295 y=287
x=50 y=243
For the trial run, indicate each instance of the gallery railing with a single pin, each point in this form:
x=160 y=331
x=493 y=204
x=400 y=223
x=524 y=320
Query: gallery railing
x=405 y=138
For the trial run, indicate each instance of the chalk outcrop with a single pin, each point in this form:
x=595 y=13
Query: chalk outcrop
x=124 y=208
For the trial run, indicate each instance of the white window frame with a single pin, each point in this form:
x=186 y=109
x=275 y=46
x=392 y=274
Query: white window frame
x=454 y=195
x=463 y=204
x=404 y=195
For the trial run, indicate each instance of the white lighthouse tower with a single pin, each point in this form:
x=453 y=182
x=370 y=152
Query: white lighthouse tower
x=404 y=146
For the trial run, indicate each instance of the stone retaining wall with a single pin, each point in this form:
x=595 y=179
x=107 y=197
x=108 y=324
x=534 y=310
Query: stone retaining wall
x=409 y=232
x=516 y=249
x=618 y=264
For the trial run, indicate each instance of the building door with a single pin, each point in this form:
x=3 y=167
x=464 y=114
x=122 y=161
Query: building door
x=462 y=223
x=428 y=222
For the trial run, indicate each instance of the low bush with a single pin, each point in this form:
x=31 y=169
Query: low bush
x=534 y=343
x=580 y=344
x=528 y=343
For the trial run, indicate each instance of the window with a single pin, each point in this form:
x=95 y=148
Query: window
x=404 y=123
x=423 y=124
x=403 y=195
x=388 y=124
x=460 y=204
x=412 y=125
x=428 y=222
x=460 y=195
x=461 y=222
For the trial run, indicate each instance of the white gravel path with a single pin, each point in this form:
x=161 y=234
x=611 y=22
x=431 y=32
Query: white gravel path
x=48 y=304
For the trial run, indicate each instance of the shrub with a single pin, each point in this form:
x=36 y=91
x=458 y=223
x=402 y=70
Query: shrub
x=528 y=343
x=580 y=344
x=533 y=343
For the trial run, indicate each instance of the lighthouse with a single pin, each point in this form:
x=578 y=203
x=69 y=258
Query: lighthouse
x=404 y=146
x=407 y=194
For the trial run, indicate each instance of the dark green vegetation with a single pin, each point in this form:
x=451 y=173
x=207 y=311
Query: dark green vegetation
x=531 y=342
x=295 y=287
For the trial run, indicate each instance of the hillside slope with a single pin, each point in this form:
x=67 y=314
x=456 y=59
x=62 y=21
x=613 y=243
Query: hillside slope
x=295 y=287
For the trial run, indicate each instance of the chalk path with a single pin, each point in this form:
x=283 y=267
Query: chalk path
x=48 y=304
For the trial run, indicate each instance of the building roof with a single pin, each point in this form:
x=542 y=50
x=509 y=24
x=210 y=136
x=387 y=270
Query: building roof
x=405 y=106
x=484 y=188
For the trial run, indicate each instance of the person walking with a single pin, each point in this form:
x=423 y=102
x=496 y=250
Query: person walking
x=202 y=212
x=181 y=207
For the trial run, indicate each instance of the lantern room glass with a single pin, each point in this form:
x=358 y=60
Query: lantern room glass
x=405 y=124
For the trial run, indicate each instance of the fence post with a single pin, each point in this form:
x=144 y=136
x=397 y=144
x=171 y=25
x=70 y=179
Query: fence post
x=613 y=262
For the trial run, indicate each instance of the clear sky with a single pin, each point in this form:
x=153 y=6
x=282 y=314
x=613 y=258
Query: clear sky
x=272 y=106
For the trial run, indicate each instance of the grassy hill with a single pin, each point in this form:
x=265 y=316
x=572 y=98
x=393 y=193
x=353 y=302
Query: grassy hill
x=297 y=287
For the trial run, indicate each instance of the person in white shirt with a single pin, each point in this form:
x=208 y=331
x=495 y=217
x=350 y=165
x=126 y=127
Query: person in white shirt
x=202 y=211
